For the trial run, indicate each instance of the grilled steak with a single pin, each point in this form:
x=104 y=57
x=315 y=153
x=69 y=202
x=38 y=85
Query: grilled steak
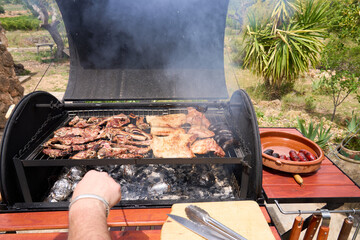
x=176 y=145
x=207 y=145
x=171 y=120
x=195 y=117
x=201 y=131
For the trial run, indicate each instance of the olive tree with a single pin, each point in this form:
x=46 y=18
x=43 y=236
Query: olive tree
x=49 y=16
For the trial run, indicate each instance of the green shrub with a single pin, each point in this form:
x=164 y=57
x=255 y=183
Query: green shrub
x=2 y=10
x=318 y=132
x=20 y=23
x=309 y=104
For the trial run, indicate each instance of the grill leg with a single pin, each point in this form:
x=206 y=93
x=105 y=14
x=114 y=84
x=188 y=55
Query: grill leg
x=244 y=182
x=22 y=181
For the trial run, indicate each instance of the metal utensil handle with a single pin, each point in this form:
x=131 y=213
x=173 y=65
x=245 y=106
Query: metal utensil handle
x=225 y=229
x=198 y=214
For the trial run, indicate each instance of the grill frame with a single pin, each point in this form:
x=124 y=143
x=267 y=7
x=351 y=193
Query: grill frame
x=248 y=173
x=27 y=157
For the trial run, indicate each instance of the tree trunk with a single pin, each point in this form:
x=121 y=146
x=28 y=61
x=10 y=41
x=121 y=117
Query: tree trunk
x=333 y=115
x=52 y=29
x=40 y=8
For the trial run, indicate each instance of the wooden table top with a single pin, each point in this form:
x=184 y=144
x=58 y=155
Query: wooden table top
x=327 y=185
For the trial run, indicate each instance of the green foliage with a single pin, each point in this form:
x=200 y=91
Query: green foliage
x=20 y=23
x=342 y=56
x=354 y=124
x=315 y=85
x=345 y=19
x=311 y=132
x=2 y=10
x=309 y=104
x=323 y=135
x=353 y=143
x=316 y=133
x=282 y=48
x=339 y=86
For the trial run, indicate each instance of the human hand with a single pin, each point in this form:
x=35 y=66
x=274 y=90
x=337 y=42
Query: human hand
x=101 y=184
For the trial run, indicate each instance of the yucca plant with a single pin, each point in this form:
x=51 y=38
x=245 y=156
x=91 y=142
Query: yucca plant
x=316 y=133
x=284 y=46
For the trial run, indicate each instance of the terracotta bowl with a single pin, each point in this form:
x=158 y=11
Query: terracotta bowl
x=282 y=143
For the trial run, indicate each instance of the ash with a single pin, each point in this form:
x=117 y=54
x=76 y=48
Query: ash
x=155 y=182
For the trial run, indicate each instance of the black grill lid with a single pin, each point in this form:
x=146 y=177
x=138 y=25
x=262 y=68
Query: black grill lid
x=145 y=49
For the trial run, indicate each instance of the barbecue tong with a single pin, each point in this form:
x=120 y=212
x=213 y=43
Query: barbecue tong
x=202 y=218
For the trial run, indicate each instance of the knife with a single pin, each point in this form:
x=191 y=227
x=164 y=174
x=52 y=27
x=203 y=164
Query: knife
x=199 y=229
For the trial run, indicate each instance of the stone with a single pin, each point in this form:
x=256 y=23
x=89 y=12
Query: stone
x=7 y=59
x=4 y=83
x=11 y=90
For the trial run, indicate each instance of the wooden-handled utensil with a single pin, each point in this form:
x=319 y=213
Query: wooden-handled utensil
x=296 y=228
x=324 y=228
x=298 y=179
x=346 y=228
x=313 y=226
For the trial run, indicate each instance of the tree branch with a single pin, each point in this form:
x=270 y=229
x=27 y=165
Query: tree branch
x=39 y=7
x=345 y=97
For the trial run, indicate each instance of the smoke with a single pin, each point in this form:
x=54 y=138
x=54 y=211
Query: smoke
x=175 y=44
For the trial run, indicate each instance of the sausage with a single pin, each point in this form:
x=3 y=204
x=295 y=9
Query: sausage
x=283 y=157
x=276 y=155
x=308 y=155
x=302 y=157
x=269 y=152
x=294 y=156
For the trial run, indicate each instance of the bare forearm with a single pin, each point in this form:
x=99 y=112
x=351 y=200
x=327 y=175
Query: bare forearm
x=87 y=220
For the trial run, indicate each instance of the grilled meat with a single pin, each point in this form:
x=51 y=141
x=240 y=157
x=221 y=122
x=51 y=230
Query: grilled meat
x=95 y=120
x=134 y=149
x=125 y=139
x=204 y=146
x=87 y=154
x=173 y=146
x=80 y=147
x=108 y=152
x=141 y=124
x=73 y=131
x=117 y=121
x=99 y=142
x=82 y=123
x=110 y=133
x=116 y=137
x=69 y=140
x=195 y=117
x=171 y=120
x=201 y=131
x=165 y=131
x=131 y=128
x=56 y=152
x=121 y=151
x=75 y=120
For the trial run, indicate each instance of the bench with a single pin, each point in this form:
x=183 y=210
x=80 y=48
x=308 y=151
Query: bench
x=124 y=224
x=38 y=45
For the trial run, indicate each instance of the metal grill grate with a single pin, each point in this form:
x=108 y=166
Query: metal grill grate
x=214 y=115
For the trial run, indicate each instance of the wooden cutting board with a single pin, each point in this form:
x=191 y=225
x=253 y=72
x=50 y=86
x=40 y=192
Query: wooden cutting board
x=244 y=217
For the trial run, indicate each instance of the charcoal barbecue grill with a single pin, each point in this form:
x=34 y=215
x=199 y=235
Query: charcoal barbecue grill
x=133 y=57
